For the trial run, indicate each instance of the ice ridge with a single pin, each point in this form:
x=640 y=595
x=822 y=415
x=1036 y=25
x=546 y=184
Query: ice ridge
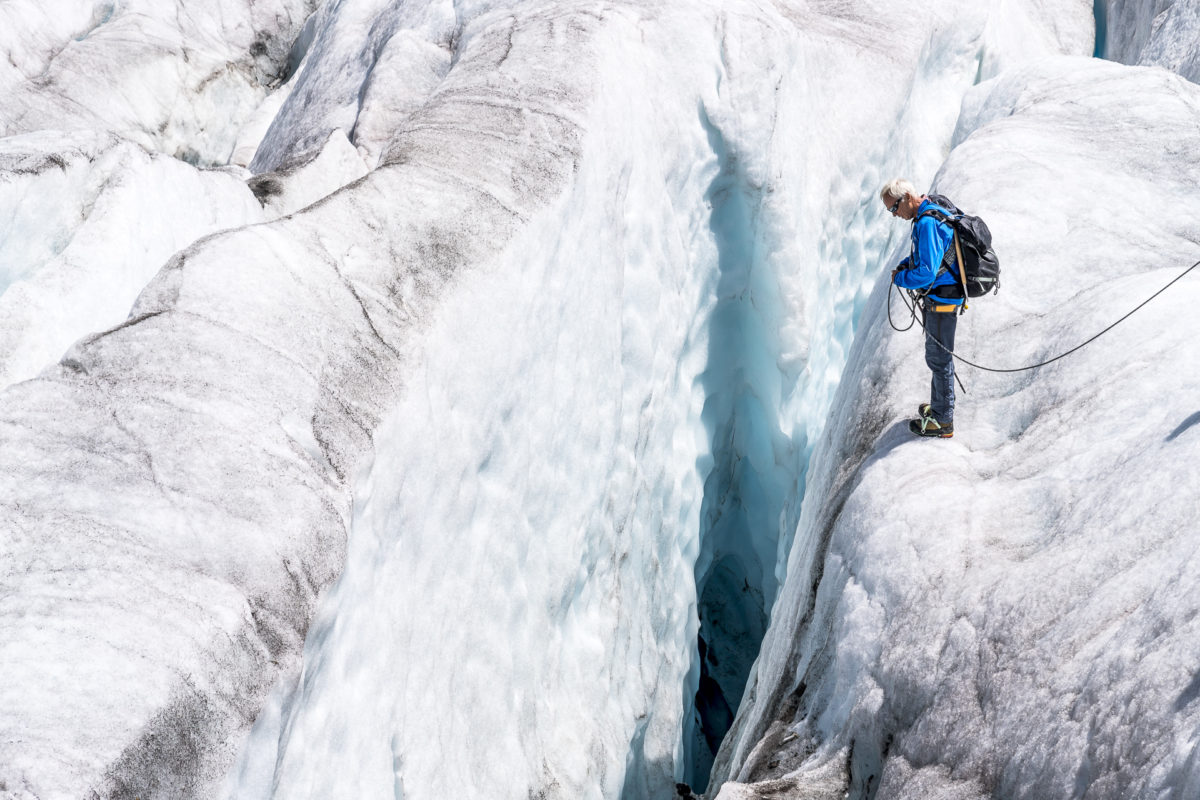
x=229 y=551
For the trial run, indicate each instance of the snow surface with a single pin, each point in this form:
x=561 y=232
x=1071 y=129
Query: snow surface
x=1153 y=32
x=1013 y=613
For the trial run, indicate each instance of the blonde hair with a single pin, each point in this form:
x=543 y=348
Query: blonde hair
x=898 y=189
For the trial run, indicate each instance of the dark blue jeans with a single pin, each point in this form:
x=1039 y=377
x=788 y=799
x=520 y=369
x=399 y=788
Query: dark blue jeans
x=939 y=327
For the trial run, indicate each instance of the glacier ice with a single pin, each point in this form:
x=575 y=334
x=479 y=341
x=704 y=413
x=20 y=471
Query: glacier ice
x=1009 y=616
x=366 y=66
x=85 y=221
x=180 y=569
x=179 y=78
x=751 y=189
x=337 y=164
x=534 y=341
x=1158 y=32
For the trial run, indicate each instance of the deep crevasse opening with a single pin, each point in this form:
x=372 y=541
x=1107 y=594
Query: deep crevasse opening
x=549 y=599
x=755 y=475
x=789 y=300
x=737 y=547
x=773 y=368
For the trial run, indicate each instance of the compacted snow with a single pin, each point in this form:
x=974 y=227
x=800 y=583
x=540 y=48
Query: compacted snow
x=430 y=399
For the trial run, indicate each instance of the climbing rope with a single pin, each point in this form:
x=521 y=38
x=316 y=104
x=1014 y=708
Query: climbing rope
x=913 y=310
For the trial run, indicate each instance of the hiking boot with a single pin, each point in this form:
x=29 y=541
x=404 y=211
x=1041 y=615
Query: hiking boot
x=928 y=426
x=924 y=410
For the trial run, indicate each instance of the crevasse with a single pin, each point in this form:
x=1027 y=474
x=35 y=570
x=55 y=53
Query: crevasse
x=1101 y=12
x=755 y=473
x=555 y=365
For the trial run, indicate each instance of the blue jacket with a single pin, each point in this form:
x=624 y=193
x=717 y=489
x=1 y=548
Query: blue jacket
x=930 y=239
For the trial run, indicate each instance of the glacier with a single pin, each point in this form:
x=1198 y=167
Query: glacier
x=1037 y=641
x=448 y=399
x=1160 y=33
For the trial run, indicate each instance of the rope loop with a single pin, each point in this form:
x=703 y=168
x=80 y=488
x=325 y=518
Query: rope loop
x=912 y=307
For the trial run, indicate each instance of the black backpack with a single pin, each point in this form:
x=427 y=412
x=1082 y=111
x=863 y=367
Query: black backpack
x=981 y=265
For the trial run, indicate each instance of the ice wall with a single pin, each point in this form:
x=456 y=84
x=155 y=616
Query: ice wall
x=1012 y=613
x=564 y=349
x=1152 y=32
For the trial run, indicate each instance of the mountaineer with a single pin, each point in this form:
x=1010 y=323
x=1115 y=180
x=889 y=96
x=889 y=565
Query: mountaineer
x=922 y=271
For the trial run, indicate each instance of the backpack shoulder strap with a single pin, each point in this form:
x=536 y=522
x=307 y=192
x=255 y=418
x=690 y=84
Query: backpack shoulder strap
x=944 y=202
x=939 y=215
x=949 y=258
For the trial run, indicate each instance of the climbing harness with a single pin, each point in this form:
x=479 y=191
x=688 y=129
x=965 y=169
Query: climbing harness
x=916 y=298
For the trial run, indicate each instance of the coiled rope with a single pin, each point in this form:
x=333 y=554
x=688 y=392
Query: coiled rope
x=912 y=308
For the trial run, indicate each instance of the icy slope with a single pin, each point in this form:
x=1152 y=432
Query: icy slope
x=1013 y=613
x=177 y=77
x=504 y=362
x=175 y=490
x=1158 y=32
x=85 y=221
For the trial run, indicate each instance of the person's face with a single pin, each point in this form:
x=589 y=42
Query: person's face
x=904 y=207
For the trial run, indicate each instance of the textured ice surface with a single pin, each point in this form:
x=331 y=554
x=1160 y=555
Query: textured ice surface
x=1013 y=613
x=366 y=66
x=1154 y=32
x=85 y=221
x=686 y=302
x=175 y=491
x=551 y=366
x=176 y=77
x=337 y=164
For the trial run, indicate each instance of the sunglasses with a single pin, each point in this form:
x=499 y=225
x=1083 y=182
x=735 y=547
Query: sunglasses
x=894 y=206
